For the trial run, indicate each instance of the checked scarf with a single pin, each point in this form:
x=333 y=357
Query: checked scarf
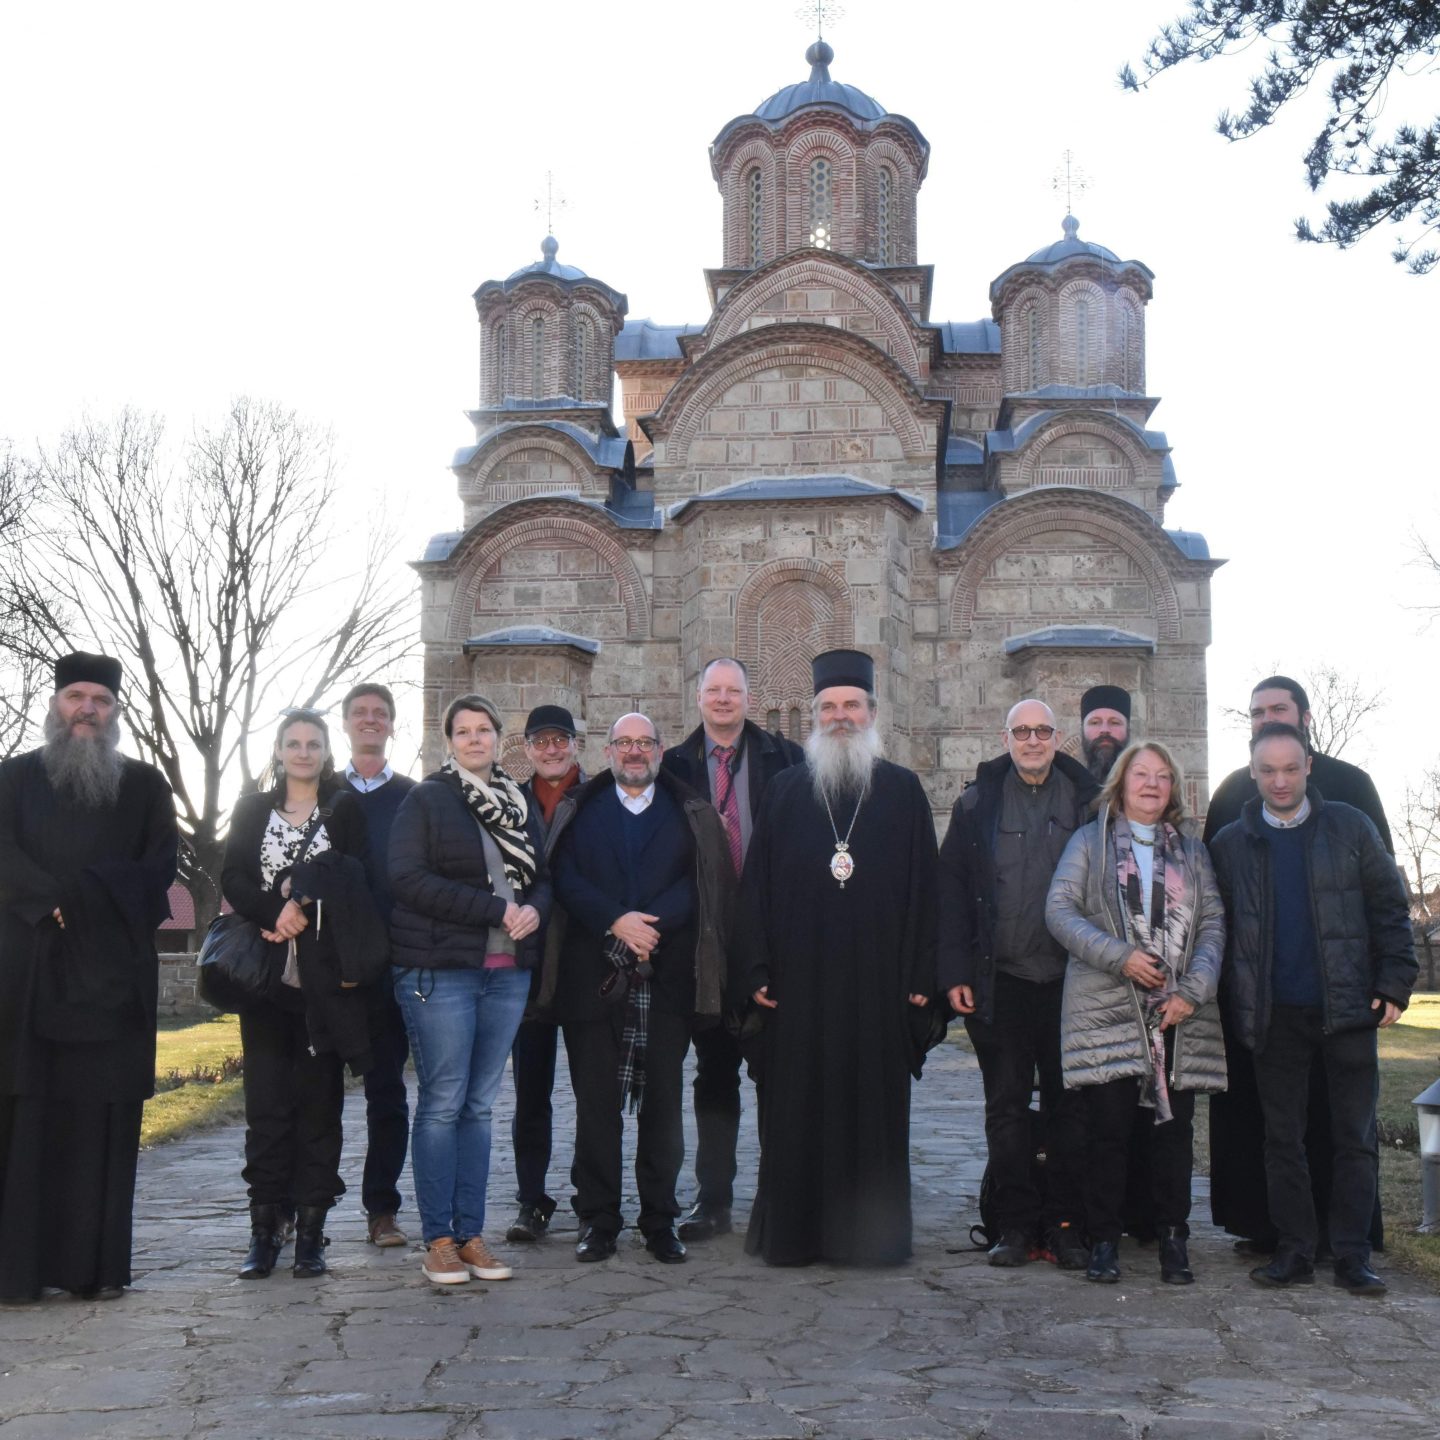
x=629 y=979
x=1172 y=913
x=500 y=807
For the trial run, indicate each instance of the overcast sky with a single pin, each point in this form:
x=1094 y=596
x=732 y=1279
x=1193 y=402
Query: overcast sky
x=297 y=200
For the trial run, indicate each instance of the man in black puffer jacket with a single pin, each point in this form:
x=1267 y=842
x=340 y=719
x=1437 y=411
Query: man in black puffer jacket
x=1319 y=954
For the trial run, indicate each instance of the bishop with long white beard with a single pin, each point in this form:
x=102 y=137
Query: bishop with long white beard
x=838 y=936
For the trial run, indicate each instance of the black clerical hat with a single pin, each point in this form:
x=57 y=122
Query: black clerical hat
x=843 y=667
x=88 y=669
x=549 y=717
x=1105 y=697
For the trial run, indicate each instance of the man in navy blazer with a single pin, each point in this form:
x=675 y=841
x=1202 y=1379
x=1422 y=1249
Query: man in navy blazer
x=730 y=760
x=642 y=871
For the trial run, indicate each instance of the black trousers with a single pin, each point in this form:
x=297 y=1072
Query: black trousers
x=387 y=1107
x=532 y=1062
x=593 y=1049
x=293 y=1103
x=1023 y=1040
x=1110 y=1117
x=717 y=1114
x=1352 y=1079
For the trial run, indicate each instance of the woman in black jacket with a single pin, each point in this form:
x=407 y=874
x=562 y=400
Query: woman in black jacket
x=467 y=870
x=286 y=845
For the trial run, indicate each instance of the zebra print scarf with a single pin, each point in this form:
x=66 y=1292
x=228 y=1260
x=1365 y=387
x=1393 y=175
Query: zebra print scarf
x=500 y=807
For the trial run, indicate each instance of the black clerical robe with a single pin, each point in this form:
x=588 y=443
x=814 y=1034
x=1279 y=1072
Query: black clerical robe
x=836 y=1056
x=77 y=1020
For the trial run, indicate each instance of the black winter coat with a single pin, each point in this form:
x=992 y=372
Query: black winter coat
x=335 y=1014
x=445 y=905
x=766 y=756
x=966 y=954
x=1361 y=918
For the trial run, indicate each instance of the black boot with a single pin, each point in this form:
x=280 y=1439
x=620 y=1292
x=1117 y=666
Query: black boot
x=1174 y=1257
x=264 y=1242
x=1104 y=1267
x=310 y=1241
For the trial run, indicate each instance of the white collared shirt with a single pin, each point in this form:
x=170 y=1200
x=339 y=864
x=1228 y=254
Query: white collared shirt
x=365 y=786
x=636 y=804
x=1298 y=818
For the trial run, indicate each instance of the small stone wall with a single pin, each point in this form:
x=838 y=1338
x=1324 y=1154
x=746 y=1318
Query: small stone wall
x=178 y=976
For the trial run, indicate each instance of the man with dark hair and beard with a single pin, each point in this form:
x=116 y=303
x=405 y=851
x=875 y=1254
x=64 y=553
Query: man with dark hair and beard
x=836 y=949
x=87 y=852
x=1104 y=728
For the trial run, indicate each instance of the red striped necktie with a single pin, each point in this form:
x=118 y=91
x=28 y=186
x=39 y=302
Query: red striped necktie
x=726 y=801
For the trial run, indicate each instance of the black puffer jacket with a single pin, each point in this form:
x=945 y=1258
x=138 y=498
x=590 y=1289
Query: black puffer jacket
x=1362 y=922
x=445 y=906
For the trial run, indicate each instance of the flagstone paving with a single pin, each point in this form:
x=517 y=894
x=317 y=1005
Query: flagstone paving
x=722 y=1347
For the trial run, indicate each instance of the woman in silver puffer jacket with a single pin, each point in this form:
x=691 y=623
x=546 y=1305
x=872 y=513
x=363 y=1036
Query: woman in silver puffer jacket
x=1136 y=905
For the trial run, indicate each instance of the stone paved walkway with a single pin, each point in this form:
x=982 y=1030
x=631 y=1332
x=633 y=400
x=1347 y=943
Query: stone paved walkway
x=722 y=1347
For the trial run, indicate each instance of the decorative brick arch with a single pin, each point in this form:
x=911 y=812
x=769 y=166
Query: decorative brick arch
x=1042 y=512
x=753 y=293
x=1095 y=425
x=825 y=346
x=537 y=531
x=818 y=613
x=757 y=153
x=1015 y=342
x=835 y=146
x=509 y=442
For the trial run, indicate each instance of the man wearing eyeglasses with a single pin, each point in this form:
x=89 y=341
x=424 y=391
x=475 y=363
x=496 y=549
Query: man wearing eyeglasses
x=1004 y=972
x=642 y=870
x=551 y=747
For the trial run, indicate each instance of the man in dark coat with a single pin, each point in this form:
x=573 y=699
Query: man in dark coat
x=551 y=746
x=88 y=846
x=1005 y=973
x=367 y=715
x=731 y=761
x=1319 y=954
x=837 y=949
x=1237 y=1161
x=642 y=872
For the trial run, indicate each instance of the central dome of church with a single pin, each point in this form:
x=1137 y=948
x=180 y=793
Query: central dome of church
x=820 y=89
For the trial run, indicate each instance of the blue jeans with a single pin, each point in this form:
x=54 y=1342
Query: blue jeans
x=460 y=1037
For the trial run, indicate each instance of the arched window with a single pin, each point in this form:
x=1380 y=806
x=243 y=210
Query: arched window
x=821 y=203
x=1082 y=342
x=537 y=357
x=1122 y=337
x=500 y=361
x=757 y=216
x=797 y=725
x=882 y=217
x=1034 y=379
x=582 y=346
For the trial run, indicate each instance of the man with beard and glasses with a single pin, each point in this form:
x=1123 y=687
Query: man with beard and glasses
x=1005 y=973
x=88 y=847
x=642 y=873
x=1104 y=728
x=836 y=949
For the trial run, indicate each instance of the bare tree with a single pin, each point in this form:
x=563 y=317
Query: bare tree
x=227 y=586
x=1340 y=703
x=1418 y=840
x=24 y=663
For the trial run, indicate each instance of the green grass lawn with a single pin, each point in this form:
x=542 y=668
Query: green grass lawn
x=191 y=1052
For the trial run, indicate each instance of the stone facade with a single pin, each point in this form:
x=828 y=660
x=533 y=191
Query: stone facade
x=978 y=505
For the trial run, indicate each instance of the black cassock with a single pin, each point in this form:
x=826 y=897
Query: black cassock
x=835 y=1058
x=77 y=1020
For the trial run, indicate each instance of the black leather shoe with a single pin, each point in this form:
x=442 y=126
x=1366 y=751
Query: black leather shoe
x=705 y=1222
x=1068 y=1247
x=310 y=1241
x=265 y=1242
x=1012 y=1249
x=1174 y=1258
x=1354 y=1275
x=1288 y=1267
x=531 y=1224
x=1104 y=1266
x=665 y=1246
x=594 y=1245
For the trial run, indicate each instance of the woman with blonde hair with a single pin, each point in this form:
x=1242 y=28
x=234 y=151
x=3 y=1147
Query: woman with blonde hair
x=1134 y=902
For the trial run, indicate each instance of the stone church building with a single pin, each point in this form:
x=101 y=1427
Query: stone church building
x=977 y=504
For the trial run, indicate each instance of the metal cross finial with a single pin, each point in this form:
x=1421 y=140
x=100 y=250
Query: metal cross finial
x=818 y=11
x=1071 y=178
x=551 y=203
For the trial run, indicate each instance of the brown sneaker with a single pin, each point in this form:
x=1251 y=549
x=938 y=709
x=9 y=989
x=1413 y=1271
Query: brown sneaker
x=475 y=1256
x=442 y=1264
x=385 y=1233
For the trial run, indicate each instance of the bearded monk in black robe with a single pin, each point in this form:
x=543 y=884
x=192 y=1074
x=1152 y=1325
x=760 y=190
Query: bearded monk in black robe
x=87 y=852
x=838 y=946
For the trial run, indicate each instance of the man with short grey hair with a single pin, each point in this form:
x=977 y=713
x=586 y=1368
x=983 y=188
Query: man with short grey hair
x=1004 y=972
